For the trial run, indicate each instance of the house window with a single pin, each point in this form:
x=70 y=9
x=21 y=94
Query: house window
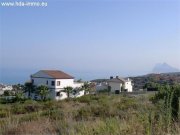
x=47 y=82
x=58 y=83
x=57 y=93
x=52 y=83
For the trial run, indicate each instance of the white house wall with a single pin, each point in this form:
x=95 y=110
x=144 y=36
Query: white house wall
x=115 y=86
x=77 y=85
x=43 y=81
x=80 y=94
x=64 y=83
x=54 y=89
x=128 y=86
x=100 y=87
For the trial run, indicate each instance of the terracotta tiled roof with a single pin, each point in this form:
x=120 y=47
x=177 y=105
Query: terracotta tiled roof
x=57 y=74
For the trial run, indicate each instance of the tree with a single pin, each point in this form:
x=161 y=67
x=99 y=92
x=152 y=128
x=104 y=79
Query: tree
x=150 y=85
x=18 y=88
x=19 y=96
x=86 y=87
x=7 y=93
x=170 y=95
x=43 y=92
x=30 y=88
x=109 y=89
x=68 y=90
x=123 y=87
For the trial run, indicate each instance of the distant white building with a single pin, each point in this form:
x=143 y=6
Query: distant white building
x=56 y=81
x=118 y=85
x=5 y=88
x=100 y=84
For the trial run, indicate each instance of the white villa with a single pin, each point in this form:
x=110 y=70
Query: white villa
x=4 y=87
x=118 y=85
x=56 y=81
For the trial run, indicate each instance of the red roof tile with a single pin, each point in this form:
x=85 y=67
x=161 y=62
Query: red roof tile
x=56 y=74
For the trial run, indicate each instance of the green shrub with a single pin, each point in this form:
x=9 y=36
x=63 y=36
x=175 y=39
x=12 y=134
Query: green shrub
x=103 y=91
x=83 y=113
x=30 y=117
x=18 y=109
x=126 y=103
x=32 y=106
x=54 y=114
x=51 y=105
x=170 y=95
x=100 y=114
x=100 y=111
x=3 y=113
x=84 y=99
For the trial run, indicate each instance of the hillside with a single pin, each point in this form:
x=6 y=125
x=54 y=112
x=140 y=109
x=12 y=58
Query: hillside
x=163 y=78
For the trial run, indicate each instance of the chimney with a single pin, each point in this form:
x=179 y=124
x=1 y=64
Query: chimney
x=117 y=77
x=111 y=77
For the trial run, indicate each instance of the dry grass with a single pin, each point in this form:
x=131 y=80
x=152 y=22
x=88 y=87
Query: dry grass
x=89 y=115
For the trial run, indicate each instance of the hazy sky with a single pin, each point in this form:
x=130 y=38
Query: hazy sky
x=89 y=39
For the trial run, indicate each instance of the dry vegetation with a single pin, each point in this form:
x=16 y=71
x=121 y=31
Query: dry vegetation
x=101 y=114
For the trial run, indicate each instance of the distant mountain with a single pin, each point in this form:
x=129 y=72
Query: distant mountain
x=164 y=68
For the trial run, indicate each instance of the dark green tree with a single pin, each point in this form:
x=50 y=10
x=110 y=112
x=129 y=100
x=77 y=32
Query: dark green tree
x=170 y=95
x=68 y=90
x=18 y=88
x=109 y=89
x=43 y=92
x=123 y=87
x=86 y=87
x=19 y=96
x=29 y=88
x=7 y=93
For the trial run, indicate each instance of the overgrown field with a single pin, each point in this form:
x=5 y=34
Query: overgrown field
x=100 y=114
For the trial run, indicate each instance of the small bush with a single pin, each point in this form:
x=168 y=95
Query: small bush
x=32 y=106
x=54 y=114
x=126 y=103
x=83 y=113
x=84 y=99
x=29 y=117
x=51 y=105
x=18 y=109
x=3 y=113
